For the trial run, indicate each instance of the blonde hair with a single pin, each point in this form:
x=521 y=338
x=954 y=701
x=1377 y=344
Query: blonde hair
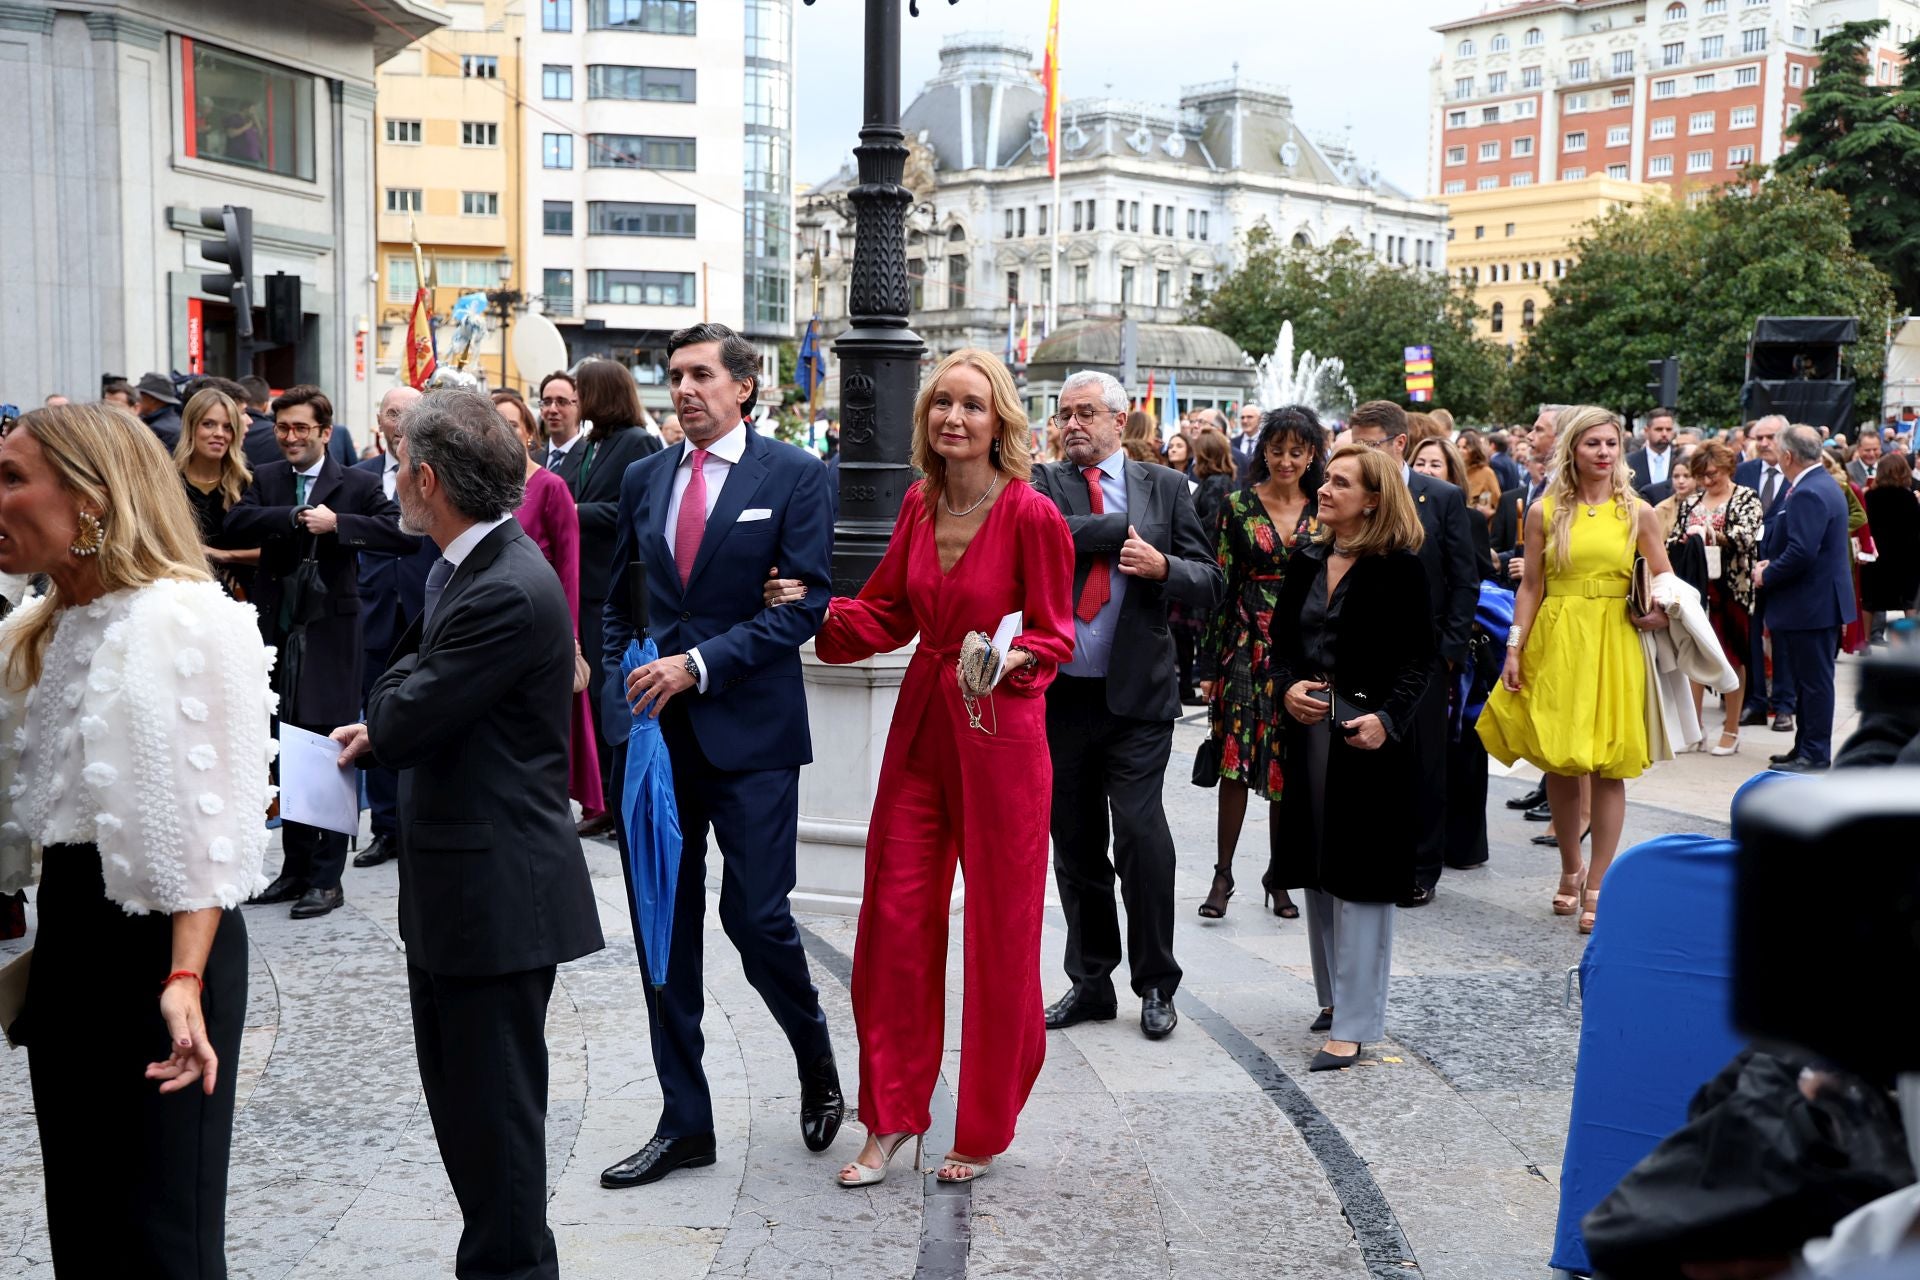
x=1563 y=490
x=1455 y=465
x=147 y=529
x=1014 y=458
x=1395 y=525
x=234 y=473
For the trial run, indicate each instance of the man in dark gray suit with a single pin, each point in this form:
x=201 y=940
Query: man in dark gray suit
x=560 y=414
x=1138 y=545
x=494 y=890
x=1653 y=462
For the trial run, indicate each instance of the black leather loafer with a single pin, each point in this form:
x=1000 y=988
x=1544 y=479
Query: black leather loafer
x=318 y=902
x=284 y=889
x=1533 y=799
x=660 y=1157
x=1783 y=724
x=1753 y=717
x=822 y=1107
x=382 y=848
x=1541 y=812
x=1157 y=1018
x=1080 y=1005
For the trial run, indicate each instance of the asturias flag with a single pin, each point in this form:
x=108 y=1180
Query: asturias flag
x=420 y=357
x=811 y=369
x=1050 y=76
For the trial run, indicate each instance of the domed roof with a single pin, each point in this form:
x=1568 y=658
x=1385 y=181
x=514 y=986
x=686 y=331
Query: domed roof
x=1190 y=350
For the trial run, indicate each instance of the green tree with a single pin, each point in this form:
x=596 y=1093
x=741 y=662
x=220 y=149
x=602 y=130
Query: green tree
x=1689 y=281
x=1862 y=140
x=1345 y=303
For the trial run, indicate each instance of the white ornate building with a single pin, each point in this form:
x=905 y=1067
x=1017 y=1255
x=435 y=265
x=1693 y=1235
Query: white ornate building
x=1155 y=200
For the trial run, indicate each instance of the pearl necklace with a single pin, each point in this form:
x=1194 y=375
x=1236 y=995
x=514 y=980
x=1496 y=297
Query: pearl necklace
x=991 y=486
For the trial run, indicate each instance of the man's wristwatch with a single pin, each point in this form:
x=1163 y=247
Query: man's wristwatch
x=693 y=669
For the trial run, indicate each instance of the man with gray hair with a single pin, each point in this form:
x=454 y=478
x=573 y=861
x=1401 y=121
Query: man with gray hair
x=1246 y=445
x=1138 y=545
x=1805 y=582
x=494 y=892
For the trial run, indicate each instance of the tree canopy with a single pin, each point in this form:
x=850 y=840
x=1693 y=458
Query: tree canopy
x=1343 y=302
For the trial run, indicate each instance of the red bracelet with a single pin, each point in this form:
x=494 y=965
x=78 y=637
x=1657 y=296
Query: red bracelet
x=184 y=973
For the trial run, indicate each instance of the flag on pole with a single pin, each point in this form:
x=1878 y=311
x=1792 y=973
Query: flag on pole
x=1147 y=401
x=1026 y=337
x=1013 y=324
x=1171 y=422
x=810 y=373
x=1050 y=75
x=420 y=353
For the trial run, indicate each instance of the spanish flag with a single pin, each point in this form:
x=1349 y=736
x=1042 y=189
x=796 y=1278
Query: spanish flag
x=420 y=355
x=1050 y=76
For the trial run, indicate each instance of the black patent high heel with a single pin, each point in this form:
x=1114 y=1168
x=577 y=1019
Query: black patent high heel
x=1286 y=909
x=1211 y=910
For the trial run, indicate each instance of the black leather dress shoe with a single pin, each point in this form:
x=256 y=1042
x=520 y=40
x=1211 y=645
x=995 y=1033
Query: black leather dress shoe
x=1754 y=716
x=1784 y=757
x=1541 y=812
x=1533 y=799
x=1783 y=724
x=822 y=1107
x=1080 y=1005
x=1157 y=1018
x=1418 y=898
x=1801 y=766
x=382 y=848
x=660 y=1157
x=283 y=889
x=317 y=902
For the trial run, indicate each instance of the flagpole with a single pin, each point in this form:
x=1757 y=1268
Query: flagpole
x=1053 y=161
x=814 y=376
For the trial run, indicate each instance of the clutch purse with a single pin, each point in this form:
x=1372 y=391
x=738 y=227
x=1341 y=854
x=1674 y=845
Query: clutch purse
x=979 y=665
x=1206 y=763
x=1640 y=601
x=1344 y=709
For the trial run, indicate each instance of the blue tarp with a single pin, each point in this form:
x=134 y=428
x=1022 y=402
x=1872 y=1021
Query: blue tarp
x=652 y=823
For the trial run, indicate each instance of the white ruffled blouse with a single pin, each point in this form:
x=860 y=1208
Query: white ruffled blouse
x=146 y=736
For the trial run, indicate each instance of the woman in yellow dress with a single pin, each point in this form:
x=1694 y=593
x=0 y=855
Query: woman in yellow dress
x=1573 y=695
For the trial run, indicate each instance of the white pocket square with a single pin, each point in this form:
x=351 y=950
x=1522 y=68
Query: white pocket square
x=756 y=513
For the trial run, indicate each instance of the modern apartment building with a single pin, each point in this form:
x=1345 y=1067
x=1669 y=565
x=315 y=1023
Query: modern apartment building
x=1681 y=92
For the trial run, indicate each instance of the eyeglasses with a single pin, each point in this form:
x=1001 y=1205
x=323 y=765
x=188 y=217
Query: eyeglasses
x=295 y=430
x=1381 y=443
x=556 y=402
x=1085 y=415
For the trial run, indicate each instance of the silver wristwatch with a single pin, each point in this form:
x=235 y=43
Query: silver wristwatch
x=693 y=669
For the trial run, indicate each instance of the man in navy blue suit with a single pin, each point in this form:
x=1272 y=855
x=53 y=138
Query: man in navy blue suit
x=1804 y=578
x=709 y=520
x=393 y=591
x=1762 y=474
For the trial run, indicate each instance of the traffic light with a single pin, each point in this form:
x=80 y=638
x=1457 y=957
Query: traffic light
x=283 y=309
x=1664 y=390
x=234 y=251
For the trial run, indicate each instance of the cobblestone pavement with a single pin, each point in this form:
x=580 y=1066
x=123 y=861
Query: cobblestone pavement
x=1213 y=1153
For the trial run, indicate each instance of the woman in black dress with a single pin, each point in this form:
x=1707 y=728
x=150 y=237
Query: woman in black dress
x=1891 y=583
x=214 y=471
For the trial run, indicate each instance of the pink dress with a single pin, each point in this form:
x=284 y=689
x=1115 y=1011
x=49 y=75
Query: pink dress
x=548 y=516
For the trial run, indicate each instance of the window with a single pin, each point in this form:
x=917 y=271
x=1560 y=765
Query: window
x=1527 y=311
x=657 y=17
x=1156 y=219
x=556 y=150
x=1499 y=44
x=1706 y=84
x=1013 y=286
x=1456 y=155
x=1489 y=115
x=480 y=204
x=641 y=288
x=1456 y=119
x=1575 y=142
x=1463 y=87
x=638 y=151
x=479 y=133
x=245 y=112
x=1479 y=233
x=1133 y=215
x=402 y=282
x=556 y=217
x=1533 y=39
x=1756 y=4
x=1712 y=48
x=1465 y=50
x=1487 y=184
x=1700 y=122
x=1793 y=109
x=1617 y=171
x=1530 y=77
x=403 y=132
x=1739 y=157
x=1621 y=98
x=1795 y=74
x=403 y=199
x=1699 y=161
x=1623 y=62
x=1080 y=283
x=558 y=288
x=1498 y=316
x=1197 y=283
x=1203 y=224
x=1046 y=282
x=1497 y=82
x=640 y=84
x=1522 y=147
x=1745 y=77
x=1040 y=221
x=956 y=282
x=1665 y=88
x=1617 y=136
x=1489 y=151
x=1193 y=224
x=1009 y=234
x=1572 y=175
x=917 y=283
x=767 y=30
x=623 y=218
x=1753 y=40
x=1520 y=180
x=1523 y=110
x=1576 y=102
x=1126 y=286
x=1800 y=35
x=1672 y=55
x=1579 y=69
x=479 y=66
x=466 y=273
x=769 y=96
x=1079 y=216
x=556 y=83
x=1455 y=188
x=556 y=15
x=1676 y=13
x=1163 y=288
x=1661 y=128
x=1712 y=7
x=1020 y=221
x=1742 y=117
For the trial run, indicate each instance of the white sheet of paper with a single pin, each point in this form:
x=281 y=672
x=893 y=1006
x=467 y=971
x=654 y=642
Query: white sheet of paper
x=1003 y=636
x=314 y=789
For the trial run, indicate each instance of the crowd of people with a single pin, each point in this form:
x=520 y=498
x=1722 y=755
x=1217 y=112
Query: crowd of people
x=1385 y=597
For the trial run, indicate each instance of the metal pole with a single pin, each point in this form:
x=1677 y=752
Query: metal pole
x=879 y=354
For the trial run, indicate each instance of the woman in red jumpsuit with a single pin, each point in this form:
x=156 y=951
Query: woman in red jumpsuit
x=972 y=544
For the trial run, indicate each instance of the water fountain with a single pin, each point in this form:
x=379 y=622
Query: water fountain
x=1321 y=385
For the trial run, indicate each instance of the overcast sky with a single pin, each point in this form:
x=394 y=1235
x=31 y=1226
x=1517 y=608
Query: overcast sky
x=1347 y=64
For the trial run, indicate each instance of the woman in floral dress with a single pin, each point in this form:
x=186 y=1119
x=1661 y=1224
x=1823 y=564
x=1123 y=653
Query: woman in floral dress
x=1255 y=535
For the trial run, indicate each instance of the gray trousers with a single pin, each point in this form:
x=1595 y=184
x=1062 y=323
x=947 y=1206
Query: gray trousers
x=1352 y=948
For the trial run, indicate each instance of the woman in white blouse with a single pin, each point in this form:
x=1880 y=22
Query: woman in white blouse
x=134 y=704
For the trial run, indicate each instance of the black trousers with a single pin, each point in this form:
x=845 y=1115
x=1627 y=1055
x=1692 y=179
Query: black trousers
x=383 y=785
x=1107 y=765
x=136 y=1180
x=1466 y=824
x=315 y=857
x=1428 y=735
x=482 y=1047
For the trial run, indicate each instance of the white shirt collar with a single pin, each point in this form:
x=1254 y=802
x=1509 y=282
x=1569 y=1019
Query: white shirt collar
x=568 y=446
x=462 y=547
x=729 y=448
x=313 y=472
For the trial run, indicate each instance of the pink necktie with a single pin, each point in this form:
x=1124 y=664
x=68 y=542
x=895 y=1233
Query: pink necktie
x=692 y=521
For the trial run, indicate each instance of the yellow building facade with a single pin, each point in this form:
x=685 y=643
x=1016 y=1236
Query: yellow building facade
x=1509 y=244
x=447 y=169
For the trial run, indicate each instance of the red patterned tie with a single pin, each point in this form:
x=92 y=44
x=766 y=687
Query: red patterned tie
x=1095 y=594
x=691 y=523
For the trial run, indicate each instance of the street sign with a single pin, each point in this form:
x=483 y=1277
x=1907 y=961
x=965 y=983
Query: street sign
x=1419 y=373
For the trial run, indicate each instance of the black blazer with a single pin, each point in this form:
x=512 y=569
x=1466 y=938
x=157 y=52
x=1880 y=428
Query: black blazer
x=329 y=692
x=1452 y=557
x=260 y=446
x=1506 y=532
x=475 y=712
x=1142 y=675
x=1383 y=649
x=393 y=588
x=594 y=477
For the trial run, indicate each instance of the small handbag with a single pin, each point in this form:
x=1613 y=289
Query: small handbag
x=1206 y=763
x=1344 y=709
x=1640 y=601
x=979 y=665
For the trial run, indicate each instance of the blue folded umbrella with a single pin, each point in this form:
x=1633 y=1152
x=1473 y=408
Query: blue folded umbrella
x=652 y=820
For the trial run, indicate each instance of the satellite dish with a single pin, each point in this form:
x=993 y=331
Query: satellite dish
x=538 y=348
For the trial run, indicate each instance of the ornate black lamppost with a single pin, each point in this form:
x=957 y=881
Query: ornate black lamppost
x=879 y=354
